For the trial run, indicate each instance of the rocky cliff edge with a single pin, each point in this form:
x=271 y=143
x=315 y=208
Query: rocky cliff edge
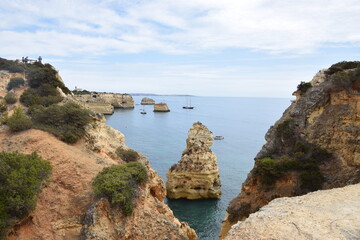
x=314 y=145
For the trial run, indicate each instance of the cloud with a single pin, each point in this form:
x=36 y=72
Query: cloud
x=64 y=28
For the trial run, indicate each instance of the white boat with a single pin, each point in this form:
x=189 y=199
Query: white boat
x=188 y=103
x=218 y=138
x=143 y=111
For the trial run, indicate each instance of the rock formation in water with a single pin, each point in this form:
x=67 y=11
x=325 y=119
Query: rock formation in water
x=67 y=207
x=196 y=175
x=161 y=107
x=314 y=145
x=147 y=101
x=327 y=214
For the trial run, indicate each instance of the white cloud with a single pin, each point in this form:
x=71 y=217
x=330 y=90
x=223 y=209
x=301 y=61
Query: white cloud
x=96 y=27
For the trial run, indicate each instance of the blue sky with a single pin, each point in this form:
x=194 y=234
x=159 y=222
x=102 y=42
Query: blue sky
x=249 y=48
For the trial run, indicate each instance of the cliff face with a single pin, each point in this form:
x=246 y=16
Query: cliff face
x=105 y=102
x=67 y=208
x=196 y=175
x=314 y=145
x=327 y=214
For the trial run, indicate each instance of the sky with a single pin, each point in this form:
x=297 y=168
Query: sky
x=233 y=48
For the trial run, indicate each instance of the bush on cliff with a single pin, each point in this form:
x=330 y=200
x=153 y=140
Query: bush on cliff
x=10 y=98
x=66 y=122
x=32 y=97
x=11 y=66
x=303 y=87
x=18 y=121
x=15 y=83
x=127 y=155
x=344 y=65
x=39 y=74
x=118 y=184
x=21 y=177
x=304 y=159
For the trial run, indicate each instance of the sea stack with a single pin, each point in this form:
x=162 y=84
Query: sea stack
x=147 y=101
x=161 y=107
x=196 y=175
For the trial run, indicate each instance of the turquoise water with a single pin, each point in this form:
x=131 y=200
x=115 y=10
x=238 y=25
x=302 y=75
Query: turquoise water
x=162 y=137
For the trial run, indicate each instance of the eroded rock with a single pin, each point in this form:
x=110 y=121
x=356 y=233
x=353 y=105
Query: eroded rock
x=196 y=175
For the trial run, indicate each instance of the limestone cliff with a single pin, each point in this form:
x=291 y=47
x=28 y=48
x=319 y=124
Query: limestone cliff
x=118 y=100
x=327 y=214
x=105 y=102
x=67 y=207
x=147 y=101
x=196 y=175
x=161 y=107
x=315 y=145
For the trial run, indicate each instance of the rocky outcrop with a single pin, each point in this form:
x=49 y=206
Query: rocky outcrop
x=161 y=107
x=313 y=146
x=147 y=101
x=327 y=214
x=118 y=100
x=104 y=102
x=196 y=175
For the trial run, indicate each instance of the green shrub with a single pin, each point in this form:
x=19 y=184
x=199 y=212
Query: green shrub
x=82 y=92
x=127 y=155
x=21 y=176
x=32 y=97
x=10 y=98
x=19 y=121
x=11 y=66
x=303 y=87
x=66 y=122
x=305 y=160
x=268 y=171
x=39 y=74
x=118 y=184
x=340 y=66
x=15 y=83
x=3 y=106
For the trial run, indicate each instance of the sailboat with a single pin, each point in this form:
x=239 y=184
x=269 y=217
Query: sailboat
x=188 y=103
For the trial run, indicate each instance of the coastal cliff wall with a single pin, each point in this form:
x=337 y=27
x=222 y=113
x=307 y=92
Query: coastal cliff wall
x=67 y=207
x=314 y=145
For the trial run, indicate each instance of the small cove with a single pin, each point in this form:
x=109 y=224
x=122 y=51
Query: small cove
x=161 y=137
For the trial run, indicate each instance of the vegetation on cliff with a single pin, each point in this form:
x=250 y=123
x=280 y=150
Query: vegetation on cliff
x=119 y=183
x=10 y=98
x=127 y=155
x=15 y=83
x=66 y=122
x=21 y=177
x=18 y=121
x=292 y=154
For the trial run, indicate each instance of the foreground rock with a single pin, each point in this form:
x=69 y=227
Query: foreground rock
x=196 y=175
x=147 y=101
x=161 y=107
x=327 y=214
x=315 y=145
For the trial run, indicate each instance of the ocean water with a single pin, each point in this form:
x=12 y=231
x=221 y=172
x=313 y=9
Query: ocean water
x=161 y=137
